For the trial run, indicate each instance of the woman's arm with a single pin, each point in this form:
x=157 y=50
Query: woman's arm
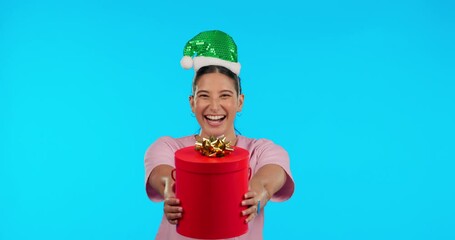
x=263 y=185
x=160 y=179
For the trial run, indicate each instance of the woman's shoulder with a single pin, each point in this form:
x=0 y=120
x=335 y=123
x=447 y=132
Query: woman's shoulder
x=255 y=143
x=175 y=142
x=170 y=144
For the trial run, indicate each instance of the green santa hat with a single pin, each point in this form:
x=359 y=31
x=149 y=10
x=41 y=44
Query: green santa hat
x=211 y=48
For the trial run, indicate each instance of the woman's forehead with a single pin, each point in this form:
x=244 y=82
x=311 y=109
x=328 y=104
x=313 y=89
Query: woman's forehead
x=215 y=81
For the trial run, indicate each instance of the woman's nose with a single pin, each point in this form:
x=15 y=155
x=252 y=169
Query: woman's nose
x=214 y=104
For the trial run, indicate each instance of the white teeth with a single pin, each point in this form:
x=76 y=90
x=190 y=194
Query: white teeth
x=214 y=118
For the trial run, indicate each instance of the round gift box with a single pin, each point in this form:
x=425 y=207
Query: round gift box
x=211 y=190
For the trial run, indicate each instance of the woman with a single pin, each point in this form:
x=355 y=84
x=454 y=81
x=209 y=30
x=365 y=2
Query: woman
x=216 y=99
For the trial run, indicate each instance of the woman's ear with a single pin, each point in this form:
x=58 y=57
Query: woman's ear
x=240 y=102
x=191 y=99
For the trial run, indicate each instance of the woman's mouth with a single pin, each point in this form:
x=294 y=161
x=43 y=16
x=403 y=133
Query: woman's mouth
x=215 y=120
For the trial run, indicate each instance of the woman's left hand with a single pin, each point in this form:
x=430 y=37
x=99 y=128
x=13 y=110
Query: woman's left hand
x=263 y=185
x=256 y=198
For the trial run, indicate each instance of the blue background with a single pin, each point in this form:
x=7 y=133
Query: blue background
x=360 y=93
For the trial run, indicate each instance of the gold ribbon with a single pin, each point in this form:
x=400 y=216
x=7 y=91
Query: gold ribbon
x=212 y=146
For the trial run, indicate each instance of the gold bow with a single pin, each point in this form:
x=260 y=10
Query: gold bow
x=212 y=146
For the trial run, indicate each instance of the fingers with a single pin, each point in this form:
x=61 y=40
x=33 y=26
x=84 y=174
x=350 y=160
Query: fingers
x=250 y=194
x=173 y=222
x=251 y=217
x=251 y=212
x=172 y=210
x=173 y=217
x=252 y=202
x=249 y=199
x=172 y=201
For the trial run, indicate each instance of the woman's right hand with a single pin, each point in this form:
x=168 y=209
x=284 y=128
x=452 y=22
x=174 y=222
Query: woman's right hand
x=172 y=209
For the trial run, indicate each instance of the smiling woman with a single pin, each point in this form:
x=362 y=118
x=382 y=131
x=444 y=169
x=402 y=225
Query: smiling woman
x=216 y=98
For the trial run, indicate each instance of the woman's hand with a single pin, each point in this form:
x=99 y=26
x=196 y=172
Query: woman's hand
x=172 y=209
x=256 y=198
x=161 y=180
x=263 y=185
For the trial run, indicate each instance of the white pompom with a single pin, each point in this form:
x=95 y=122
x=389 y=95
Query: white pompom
x=186 y=62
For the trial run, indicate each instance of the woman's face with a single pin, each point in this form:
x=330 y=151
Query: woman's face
x=215 y=104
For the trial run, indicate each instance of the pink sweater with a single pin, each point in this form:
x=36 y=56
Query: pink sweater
x=262 y=152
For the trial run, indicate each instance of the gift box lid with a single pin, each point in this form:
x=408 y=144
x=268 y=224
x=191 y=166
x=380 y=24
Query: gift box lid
x=190 y=159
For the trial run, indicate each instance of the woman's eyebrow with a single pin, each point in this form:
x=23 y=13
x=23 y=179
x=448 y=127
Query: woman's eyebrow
x=202 y=91
x=226 y=91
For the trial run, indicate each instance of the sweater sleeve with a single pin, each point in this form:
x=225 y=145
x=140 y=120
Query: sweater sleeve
x=271 y=153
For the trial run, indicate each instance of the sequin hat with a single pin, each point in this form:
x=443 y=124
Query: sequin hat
x=211 y=48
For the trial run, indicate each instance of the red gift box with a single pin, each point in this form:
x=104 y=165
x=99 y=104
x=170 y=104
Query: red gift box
x=211 y=190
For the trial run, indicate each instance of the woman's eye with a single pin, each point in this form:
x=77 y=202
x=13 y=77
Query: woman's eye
x=203 y=96
x=225 y=96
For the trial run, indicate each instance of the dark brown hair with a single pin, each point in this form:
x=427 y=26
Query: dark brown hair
x=218 y=69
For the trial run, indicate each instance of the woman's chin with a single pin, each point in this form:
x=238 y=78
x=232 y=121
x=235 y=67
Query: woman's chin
x=213 y=132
